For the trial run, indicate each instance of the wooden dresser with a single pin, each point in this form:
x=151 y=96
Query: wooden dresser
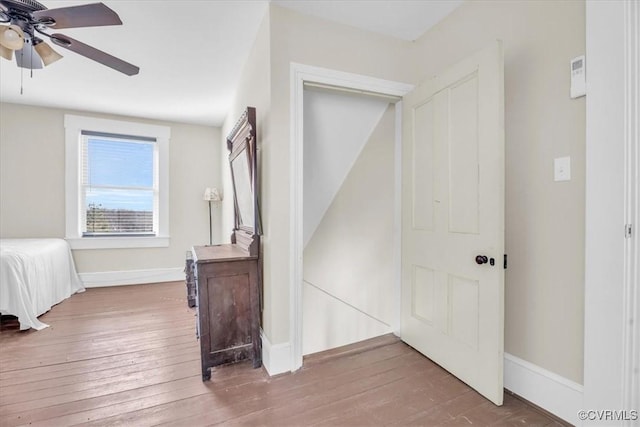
x=227 y=277
x=228 y=305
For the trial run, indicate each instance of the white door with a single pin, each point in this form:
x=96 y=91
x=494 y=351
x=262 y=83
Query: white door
x=453 y=217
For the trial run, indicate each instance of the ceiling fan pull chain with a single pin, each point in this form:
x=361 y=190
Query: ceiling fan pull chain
x=21 y=78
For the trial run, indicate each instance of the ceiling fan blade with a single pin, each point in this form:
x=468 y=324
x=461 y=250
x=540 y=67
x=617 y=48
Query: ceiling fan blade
x=88 y=15
x=95 y=54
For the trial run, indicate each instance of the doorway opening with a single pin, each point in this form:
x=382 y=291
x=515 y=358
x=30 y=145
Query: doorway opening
x=348 y=217
x=329 y=79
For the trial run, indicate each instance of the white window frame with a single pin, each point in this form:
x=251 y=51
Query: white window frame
x=74 y=125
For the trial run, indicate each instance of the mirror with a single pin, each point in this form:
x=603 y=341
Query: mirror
x=242 y=188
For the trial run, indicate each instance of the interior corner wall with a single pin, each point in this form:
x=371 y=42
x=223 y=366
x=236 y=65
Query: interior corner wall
x=254 y=90
x=32 y=187
x=545 y=220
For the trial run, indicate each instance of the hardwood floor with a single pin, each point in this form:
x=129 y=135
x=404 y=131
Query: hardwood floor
x=129 y=356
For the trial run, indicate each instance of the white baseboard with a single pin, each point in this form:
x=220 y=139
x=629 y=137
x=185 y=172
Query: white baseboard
x=556 y=394
x=276 y=359
x=131 y=277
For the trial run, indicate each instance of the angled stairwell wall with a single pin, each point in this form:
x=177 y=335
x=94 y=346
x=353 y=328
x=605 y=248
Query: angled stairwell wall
x=348 y=260
x=336 y=128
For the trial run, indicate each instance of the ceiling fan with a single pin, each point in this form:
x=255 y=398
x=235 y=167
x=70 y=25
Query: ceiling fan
x=28 y=20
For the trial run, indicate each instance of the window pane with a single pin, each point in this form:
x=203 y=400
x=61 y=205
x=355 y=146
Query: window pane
x=119 y=211
x=119 y=163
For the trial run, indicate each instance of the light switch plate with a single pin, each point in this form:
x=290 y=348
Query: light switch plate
x=562 y=169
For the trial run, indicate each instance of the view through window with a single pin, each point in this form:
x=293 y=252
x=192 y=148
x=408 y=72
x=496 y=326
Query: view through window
x=119 y=185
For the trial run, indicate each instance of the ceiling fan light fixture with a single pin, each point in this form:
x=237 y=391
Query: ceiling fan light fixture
x=11 y=37
x=22 y=21
x=6 y=53
x=47 y=54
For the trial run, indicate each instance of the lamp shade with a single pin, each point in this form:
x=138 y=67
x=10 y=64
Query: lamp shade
x=211 y=195
x=11 y=37
x=6 y=53
x=47 y=54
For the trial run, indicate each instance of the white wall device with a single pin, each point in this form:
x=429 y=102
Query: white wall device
x=562 y=169
x=578 y=78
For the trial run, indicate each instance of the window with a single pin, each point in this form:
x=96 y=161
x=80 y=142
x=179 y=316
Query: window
x=117 y=184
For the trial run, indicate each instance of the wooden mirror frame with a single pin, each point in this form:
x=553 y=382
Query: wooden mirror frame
x=243 y=140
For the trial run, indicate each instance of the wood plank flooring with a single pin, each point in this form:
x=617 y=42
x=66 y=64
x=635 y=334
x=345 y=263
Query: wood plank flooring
x=129 y=356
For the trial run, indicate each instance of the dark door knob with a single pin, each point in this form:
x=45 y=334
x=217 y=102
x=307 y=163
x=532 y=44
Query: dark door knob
x=481 y=259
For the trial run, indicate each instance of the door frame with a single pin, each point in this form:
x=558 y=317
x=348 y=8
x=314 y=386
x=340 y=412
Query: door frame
x=299 y=74
x=612 y=292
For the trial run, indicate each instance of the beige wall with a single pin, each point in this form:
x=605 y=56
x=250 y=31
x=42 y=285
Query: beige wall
x=32 y=186
x=349 y=260
x=544 y=219
x=254 y=90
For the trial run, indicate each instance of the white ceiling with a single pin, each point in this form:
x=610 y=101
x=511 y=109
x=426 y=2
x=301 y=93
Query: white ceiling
x=403 y=19
x=190 y=54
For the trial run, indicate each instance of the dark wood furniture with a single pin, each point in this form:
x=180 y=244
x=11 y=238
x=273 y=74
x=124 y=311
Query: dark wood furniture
x=228 y=306
x=190 y=280
x=228 y=284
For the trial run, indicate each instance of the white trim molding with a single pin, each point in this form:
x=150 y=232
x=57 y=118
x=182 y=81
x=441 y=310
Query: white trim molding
x=397 y=223
x=631 y=328
x=131 y=277
x=276 y=358
x=611 y=346
x=556 y=394
x=299 y=74
x=117 y=242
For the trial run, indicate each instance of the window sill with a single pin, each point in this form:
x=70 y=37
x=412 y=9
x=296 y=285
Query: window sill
x=117 y=242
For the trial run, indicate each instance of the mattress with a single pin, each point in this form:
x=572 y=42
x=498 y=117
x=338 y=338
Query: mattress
x=35 y=274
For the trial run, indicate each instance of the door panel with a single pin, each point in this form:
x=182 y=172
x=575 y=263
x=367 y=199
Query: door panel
x=453 y=210
x=463 y=156
x=423 y=156
x=464 y=310
x=424 y=295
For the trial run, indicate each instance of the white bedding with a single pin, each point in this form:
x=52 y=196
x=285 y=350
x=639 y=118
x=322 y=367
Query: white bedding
x=35 y=274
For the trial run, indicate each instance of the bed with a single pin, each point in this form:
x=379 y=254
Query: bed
x=35 y=275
